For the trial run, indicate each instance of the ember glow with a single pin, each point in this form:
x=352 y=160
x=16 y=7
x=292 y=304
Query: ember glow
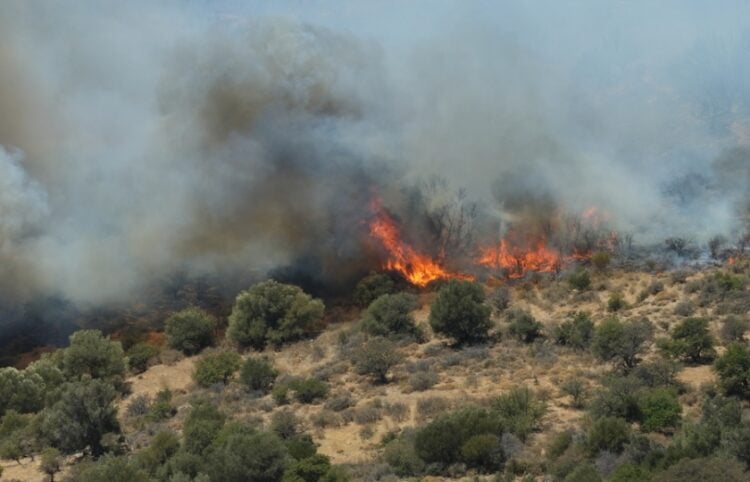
x=418 y=268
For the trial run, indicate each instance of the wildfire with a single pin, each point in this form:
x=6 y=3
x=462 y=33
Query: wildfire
x=517 y=261
x=418 y=268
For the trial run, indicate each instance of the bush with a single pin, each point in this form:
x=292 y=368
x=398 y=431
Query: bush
x=703 y=469
x=50 y=463
x=201 y=426
x=139 y=356
x=90 y=353
x=500 y=298
x=576 y=389
x=190 y=330
x=21 y=390
x=659 y=409
x=442 y=440
x=376 y=357
x=691 y=340
x=285 y=424
x=733 y=329
x=684 y=308
x=258 y=374
x=483 y=452
x=523 y=326
x=310 y=469
x=583 y=473
x=390 y=315
x=402 y=457
x=579 y=280
x=372 y=287
x=84 y=413
x=621 y=341
x=216 y=367
x=309 y=390
x=608 y=434
x=423 y=380
x=240 y=454
x=601 y=260
x=459 y=312
x=162 y=407
x=111 y=469
x=576 y=333
x=615 y=302
x=733 y=369
x=519 y=411
x=275 y=313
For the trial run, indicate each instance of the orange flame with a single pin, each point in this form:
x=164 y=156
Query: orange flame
x=518 y=261
x=418 y=268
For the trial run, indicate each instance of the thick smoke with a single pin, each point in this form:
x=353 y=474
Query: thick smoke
x=143 y=140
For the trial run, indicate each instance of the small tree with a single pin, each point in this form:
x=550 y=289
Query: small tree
x=622 y=342
x=576 y=389
x=272 y=312
x=523 y=326
x=733 y=329
x=82 y=416
x=90 y=353
x=50 y=463
x=376 y=358
x=390 y=315
x=372 y=287
x=608 y=433
x=691 y=340
x=258 y=374
x=240 y=454
x=190 y=330
x=459 y=312
x=216 y=368
x=733 y=369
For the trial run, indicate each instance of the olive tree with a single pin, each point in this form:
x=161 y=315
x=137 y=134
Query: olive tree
x=275 y=313
x=91 y=353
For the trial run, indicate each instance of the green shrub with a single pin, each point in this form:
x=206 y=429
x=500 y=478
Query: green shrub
x=483 y=452
x=558 y=444
x=258 y=374
x=402 y=457
x=111 y=469
x=459 y=312
x=628 y=472
x=300 y=446
x=218 y=367
x=202 y=425
x=691 y=341
x=579 y=280
x=519 y=411
x=285 y=424
x=733 y=329
x=376 y=357
x=576 y=332
x=621 y=342
x=601 y=260
x=584 y=473
x=311 y=469
x=703 y=469
x=615 y=302
x=608 y=433
x=162 y=408
x=139 y=356
x=21 y=390
x=90 y=353
x=50 y=462
x=733 y=368
x=240 y=454
x=523 y=326
x=576 y=389
x=659 y=409
x=309 y=390
x=390 y=315
x=163 y=446
x=275 y=313
x=372 y=287
x=190 y=330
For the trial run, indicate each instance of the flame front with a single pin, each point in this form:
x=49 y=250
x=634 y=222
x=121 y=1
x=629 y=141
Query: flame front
x=517 y=261
x=418 y=268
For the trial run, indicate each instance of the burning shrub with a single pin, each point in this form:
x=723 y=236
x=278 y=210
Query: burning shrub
x=376 y=357
x=733 y=328
x=258 y=374
x=216 y=368
x=576 y=332
x=190 y=330
x=372 y=287
x=523 y=326
x=691 y=340
x=579 y=280
x=390 y=315
x=619 y=341
x=272 y=312
x=459 y=312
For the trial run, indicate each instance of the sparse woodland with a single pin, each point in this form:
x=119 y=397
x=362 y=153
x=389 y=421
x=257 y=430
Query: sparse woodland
x=543 y=379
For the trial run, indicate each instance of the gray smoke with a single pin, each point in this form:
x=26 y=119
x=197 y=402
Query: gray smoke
x=143 y=139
